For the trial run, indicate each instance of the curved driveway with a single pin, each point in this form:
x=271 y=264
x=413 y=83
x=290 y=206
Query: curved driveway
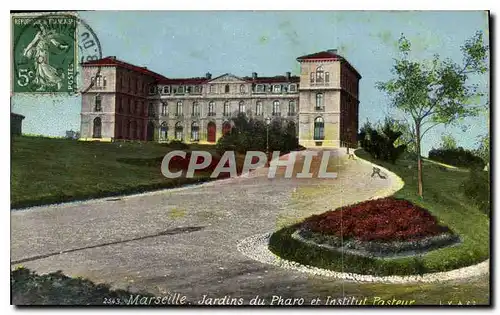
x=184 y=240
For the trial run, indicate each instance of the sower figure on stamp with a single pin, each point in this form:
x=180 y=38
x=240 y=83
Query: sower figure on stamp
x=39 y=49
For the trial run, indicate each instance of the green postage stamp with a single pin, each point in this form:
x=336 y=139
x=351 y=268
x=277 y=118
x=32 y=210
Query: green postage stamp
x=44 y=52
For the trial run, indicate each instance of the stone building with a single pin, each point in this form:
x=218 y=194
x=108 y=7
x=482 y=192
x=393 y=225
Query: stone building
x=124 y=101
x=16 y=124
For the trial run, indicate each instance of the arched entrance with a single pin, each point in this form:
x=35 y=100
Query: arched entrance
x=319 y=129
x=163 y=131
x=211 y=132
x=97 y=128
x=150 y=131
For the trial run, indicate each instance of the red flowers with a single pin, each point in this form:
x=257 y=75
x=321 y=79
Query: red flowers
x=386 y=219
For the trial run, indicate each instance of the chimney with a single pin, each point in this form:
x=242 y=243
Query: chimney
x=333 y=51
x=288 y=75
x=254 y=75
x=208 y=75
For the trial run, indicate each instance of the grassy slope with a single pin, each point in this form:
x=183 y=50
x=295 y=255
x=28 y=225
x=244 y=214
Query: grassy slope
x=47 y=170
x=444 y=199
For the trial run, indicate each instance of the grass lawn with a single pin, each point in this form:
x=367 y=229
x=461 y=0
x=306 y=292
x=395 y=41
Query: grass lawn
x=442 y=197
x=49 y=170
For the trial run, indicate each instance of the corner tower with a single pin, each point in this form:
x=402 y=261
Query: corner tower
x=328 y=100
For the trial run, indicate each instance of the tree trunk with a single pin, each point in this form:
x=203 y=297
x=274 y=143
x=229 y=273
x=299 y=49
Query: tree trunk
x=419 y=161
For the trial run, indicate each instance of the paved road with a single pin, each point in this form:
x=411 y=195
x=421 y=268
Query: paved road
x=184 y=240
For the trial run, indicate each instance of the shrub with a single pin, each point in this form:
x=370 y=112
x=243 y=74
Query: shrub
x=457 y=157
x=177 y=144
x=380 y=143
x=477 y=187
x=250 y=134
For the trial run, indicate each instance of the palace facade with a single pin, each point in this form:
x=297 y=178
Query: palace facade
x=129 y=102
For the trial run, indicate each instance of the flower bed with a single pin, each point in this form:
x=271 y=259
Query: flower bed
x=382 y=220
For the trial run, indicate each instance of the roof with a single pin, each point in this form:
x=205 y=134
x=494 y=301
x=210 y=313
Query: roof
x=196 y=80
x=320 y=55
x=258 y=80
x=112 y=61
x=328 y=55
x=17 y=115
x=275 y=79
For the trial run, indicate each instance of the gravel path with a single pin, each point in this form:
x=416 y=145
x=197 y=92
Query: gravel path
x=185 y=240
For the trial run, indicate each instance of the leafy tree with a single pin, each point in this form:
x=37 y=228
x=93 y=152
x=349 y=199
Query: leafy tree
x=379 y=142
x=407 y=137
x=436 y=92
x=249 y=134
x=448 y=142
x=483 y=151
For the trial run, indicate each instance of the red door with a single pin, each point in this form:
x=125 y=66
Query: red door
x=211 y=130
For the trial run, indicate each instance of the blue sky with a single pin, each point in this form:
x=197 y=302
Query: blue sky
x=190 y=43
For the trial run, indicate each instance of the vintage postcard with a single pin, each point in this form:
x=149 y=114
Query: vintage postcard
x=250 y=158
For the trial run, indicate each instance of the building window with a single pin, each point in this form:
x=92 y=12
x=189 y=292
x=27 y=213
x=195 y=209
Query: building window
x=196 y=109
x=319 y=101
x=98 y=104
x=242 y=89
x=276 y=108
x=164 y=109
x=195 y=132
x=166 y=89
x=119 y=103
x=327 y=77
x=151 y=110
x=319 y=74
x=179 y=109
x=241 y=107
x=226 y=88
x=212 y=88
x=312 y=77
x=152 y=89
x=277 y=88
x=180 y=90
x=259 y=88
x=292 y=88
x=197 y=89
x=258 y=108
x=163 y=131
x=139 y=107
x=226 y=109
x=178 y=131
x=319 y=129
x=131 y=106
x=211 y=109
x=97 y=128
x=291 y=108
